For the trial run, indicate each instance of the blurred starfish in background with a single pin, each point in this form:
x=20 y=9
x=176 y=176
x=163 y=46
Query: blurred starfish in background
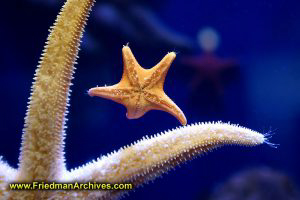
x=208 y=66
x=141 y=90
x=42 y=152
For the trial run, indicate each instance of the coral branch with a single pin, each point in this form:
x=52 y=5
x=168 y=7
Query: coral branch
x=150 y=157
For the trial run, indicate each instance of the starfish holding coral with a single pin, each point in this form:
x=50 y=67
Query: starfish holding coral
x=42 y=152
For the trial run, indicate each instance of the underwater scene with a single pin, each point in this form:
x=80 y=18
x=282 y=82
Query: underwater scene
x=196 y=100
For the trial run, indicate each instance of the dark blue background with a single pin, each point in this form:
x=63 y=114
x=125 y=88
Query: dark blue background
x=262 y=94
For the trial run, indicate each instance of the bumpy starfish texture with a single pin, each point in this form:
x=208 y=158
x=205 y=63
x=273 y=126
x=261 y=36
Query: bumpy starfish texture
x=148 y=158
x=42 y=155
x=141 y=90
x=42 y=152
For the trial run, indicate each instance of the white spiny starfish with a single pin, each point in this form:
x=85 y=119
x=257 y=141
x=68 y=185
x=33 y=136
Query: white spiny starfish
x=42 y=151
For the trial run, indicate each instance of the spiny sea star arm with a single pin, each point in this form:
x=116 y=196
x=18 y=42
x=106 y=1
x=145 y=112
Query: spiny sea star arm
x=113 y=92
x=123 y=96
x=164 y=103
x=130 y=68
x=42 y=156
x=150 y=157
x=159 y=72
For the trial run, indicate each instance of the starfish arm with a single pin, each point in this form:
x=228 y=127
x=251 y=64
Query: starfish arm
x=164 y=103
x=150 y=157
x=130 y=67
x=123 y=96
x=42 y=156
x=159 y=72
x=113 y=92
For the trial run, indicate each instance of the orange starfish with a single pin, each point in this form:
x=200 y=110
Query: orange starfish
x=141 y=90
